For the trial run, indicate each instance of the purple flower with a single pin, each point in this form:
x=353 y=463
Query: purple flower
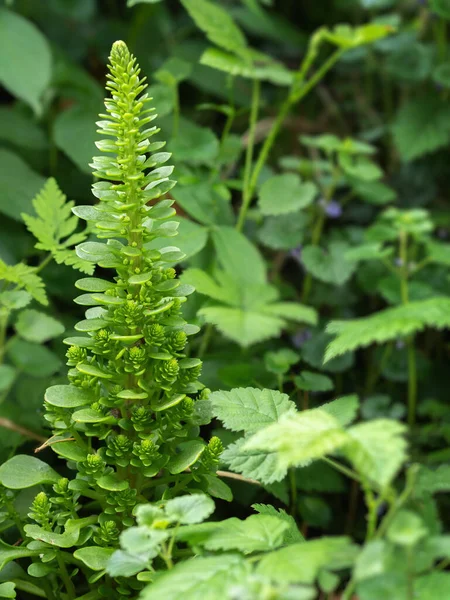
x=296 y=253
x=302 y=336
x=332 y=208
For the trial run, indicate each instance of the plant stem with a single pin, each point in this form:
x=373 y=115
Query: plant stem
x=246 y=197
x=44 y=263
x=344 y=470
x=296 y=94
x=70 y=588
x=293 y=487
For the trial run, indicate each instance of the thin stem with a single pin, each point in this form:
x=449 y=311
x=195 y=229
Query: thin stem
x=295 y=96
x=44 y=263
x=205 y=340
x=70 y=588
x=7 y=424
x=246 y=196
x=344 y=470
x=409 y=487
x=293 y=488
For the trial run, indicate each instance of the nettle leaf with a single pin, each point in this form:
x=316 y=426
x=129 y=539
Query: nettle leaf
x=209 y=577
x=217 y=24
x=18 y=182
x=343 y=409
x=25 y=68
x=422 y=125
x=406 y=529
x=21 y=471
x=301 y=438
x=260 y=465
x=377 y=450
x=36 y=326
x=329 y=265
x=258 y=533
x=292 y=534
x=189 y=509
x=389 y=324
x=250 y=409
x=255 y=65
x=301 y=563
x=285 y=194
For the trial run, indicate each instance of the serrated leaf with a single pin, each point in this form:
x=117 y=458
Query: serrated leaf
x=300 y=438
x=292 y=533
x=343 y=409
x=231 y=246
x=204 y=577
x=217 y=24
x=301 y=563
x=24 y=471
x=285 y=194
x=377 y=450
x=24 y=276
x=189 y=509
x=249 y=409
x=258 y=533
x=260 y=465
x=389 y=324
x=292 y=311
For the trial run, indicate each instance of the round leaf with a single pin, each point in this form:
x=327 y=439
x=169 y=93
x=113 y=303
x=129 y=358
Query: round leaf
x=23 y=471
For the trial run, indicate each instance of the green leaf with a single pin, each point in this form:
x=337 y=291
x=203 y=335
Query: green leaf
x=250 y=409
x=374 y=192
x=343 y=409
x=243 y=327
x=9 y=553
x=21 y=471
x=255 y=65
x=301 y=563
x=292 y=312
x=389 y=324
x=292 y=534
x=281 y=361
x=74 y=134
x=7 y=376
x=210 y=205
x=33 y=359
x=13 y=300
x=194 y=145
x=53 y=223
x=191 y=237
x=377 y=450
x=25 y=67
x=441 y=73
x=313 y=382
x=18 y=182
x=189 y=509
x=131 y=3
x=285 y=194
x=283 y=232
x=328 y=265
x=260 y=465
x=20 y=129
x=210 y=577
x=61 y=540
x=347 y=37
x=68 y=396
x=8 y=590
x=434 y=585
x=231 y=246
x=441 y=8
x=94 y=557
x=406 y=529
x=298 y=439
x=189 y=454
x=422 y=125
x=258 y=533
x=124 y=564
x=35 y=326
x=217 y=24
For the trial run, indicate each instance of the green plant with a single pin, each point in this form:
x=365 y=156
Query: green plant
x=128 y=421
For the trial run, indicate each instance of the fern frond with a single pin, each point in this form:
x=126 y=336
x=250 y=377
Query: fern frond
x=388 y=324
x=24 y=277
x=54 y=226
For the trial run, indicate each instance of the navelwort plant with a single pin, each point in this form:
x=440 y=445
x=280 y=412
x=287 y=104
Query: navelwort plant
x=128 y=421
